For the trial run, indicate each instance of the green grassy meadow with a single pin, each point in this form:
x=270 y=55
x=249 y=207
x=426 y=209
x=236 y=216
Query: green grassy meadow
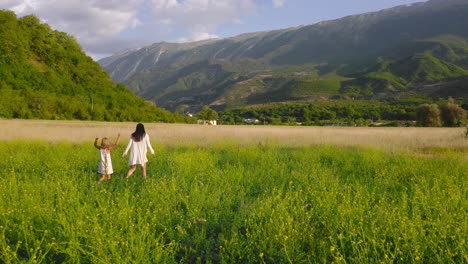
x=228 y=204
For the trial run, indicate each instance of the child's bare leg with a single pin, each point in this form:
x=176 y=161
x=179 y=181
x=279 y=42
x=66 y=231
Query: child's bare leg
x=103 y=177
x=131 y=171
x=143 y=170
x=109 y=177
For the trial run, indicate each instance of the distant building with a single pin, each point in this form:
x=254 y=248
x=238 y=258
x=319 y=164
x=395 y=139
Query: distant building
x=251 y=121
x=207 y=122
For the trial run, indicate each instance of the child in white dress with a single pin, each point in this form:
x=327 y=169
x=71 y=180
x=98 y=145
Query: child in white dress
x=105 y=164
x=138 y=144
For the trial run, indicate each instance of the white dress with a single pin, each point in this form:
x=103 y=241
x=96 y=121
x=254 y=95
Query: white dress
x=105 y=164
x=138 y=150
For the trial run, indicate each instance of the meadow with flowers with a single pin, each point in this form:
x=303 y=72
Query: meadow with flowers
x=226 y=202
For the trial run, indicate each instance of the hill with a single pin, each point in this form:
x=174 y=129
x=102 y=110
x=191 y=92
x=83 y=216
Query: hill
x=44 y=74
x=419 y=49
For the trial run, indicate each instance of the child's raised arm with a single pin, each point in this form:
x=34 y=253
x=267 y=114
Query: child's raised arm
x=96 y=144
x=116 y=141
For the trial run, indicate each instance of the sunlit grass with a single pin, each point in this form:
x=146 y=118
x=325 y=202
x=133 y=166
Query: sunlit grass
x=226 y=203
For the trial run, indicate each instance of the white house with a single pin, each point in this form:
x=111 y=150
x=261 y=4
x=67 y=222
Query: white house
x=251 y=121
x=207 y=122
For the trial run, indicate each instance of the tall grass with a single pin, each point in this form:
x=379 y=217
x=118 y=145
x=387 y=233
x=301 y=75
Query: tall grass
x=225 y=204
x=394 y=138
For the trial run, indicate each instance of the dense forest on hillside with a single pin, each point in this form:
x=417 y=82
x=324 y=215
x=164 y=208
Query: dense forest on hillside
x=44 y=74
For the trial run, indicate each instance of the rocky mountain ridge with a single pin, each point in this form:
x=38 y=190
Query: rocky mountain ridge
x=347 y=57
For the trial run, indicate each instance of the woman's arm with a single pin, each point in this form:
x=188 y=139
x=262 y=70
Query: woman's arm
x=149 y=144
x=128 y=147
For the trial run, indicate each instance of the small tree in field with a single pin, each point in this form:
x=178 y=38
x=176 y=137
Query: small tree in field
x=207 y=114
x=428 y=115
x=452 y=114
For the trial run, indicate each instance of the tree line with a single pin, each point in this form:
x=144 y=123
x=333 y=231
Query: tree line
x=448 y=114
x=414 y=111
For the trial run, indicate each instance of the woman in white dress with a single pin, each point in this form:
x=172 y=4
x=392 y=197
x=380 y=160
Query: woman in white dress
x=138 y=146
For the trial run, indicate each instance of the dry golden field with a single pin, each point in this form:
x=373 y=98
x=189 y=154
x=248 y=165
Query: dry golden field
x=176 y=134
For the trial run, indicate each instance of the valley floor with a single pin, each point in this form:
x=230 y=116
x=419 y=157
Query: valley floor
x=395 y=138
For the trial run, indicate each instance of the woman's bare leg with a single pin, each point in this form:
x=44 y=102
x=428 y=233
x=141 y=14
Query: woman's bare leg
x=143 y=170
x=131 y=171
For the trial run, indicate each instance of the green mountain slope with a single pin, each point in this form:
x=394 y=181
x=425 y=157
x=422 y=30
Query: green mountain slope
x=393 y=52
x=44 y=74
x=443 y=62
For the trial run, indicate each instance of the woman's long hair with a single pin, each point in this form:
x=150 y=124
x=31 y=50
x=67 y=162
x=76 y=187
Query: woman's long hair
x=139 y=132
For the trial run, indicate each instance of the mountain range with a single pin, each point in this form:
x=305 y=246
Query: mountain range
x=411 y=50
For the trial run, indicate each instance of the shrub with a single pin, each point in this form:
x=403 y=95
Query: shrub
x=428 y=115
x=452 y=114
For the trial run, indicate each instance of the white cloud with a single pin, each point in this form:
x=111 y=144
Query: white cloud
x=90 y=21
x=20 y=6
x=197 y=18
x=90 y=18
x=108 y=26
x=10 y=3
x=203 y=36
x=278 y=3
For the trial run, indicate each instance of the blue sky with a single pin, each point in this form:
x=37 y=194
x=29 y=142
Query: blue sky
x=104 y=27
